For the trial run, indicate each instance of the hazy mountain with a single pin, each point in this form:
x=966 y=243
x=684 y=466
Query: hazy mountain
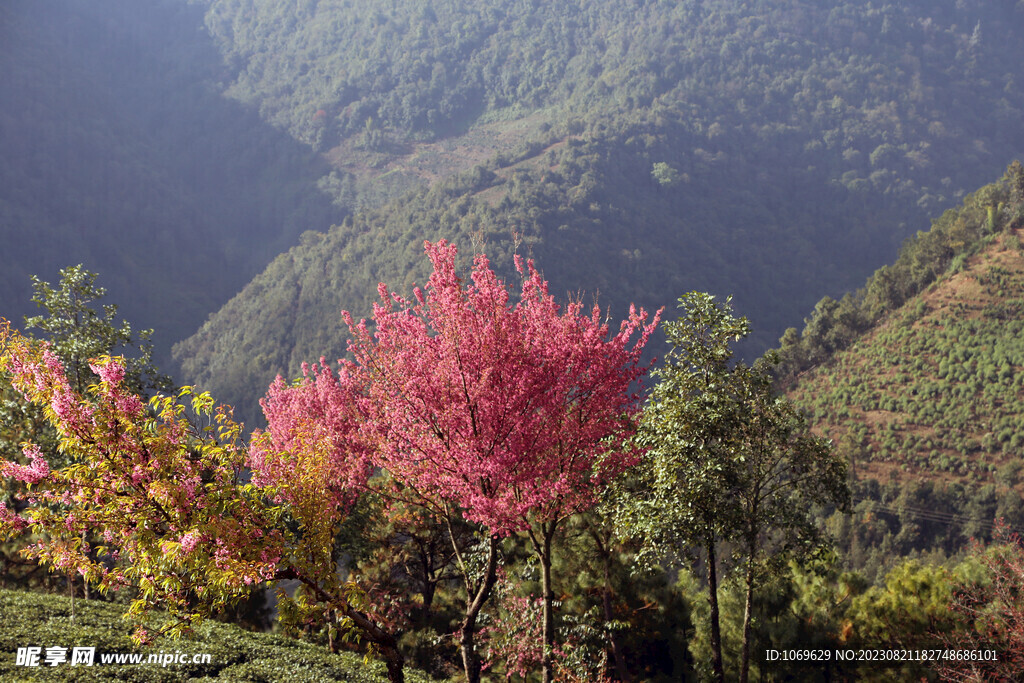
x=776 y=151
x=118 y=150
x=877 y=95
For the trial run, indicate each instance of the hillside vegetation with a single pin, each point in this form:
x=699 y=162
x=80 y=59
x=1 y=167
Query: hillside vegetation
x=919 y=373
x=773 y=151
x=913 y=98
x=591 y=214
x=887 y=89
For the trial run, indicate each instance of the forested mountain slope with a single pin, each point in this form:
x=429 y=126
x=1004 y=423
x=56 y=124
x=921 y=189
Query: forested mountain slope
x=593 y=217
x=118 y=151
x=880 y=95
x=921 y=373
x=774 y=151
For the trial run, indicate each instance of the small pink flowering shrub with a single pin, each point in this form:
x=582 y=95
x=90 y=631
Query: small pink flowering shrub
x=164 y=491
x=151 y=486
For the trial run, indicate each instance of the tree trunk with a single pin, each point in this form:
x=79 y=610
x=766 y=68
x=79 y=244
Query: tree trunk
x=388 y=644
x=429 y=579
x=716 y=631
x=467 y=646
x=395 y=663
x=85 y=583
x=428 y=600
x=544 y=551
x=605 y=550
x=470 y=659
x=747 y=611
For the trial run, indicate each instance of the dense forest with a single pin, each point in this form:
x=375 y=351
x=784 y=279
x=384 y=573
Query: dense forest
x=770 y=151
x=878 y=85
x=877 y=96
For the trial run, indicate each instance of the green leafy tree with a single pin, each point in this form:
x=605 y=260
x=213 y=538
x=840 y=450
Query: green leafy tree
x=687 y=427
x=783 y=472
x=665 y=175
x=911 y=610
x=726 y=460
x=78 y=332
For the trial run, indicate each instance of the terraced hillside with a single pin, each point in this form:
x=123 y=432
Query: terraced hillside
x=226 y=651
x=937 y=386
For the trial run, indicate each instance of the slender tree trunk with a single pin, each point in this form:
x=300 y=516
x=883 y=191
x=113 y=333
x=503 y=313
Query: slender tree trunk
x=748 y=610
x=470 y=658
x=716 y=630
x=429 y=579
x=428 y=599
x=604 y=548
x=85 y=584
x=467 y=647
x=549 y=599
x=71 y=592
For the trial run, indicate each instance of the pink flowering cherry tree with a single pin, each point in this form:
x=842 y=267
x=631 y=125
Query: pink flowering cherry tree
x=512 y=414
x=166 y=489
x=164 y=497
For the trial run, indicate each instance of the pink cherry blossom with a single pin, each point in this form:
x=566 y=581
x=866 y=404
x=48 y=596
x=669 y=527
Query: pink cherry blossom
x=510 y=410
x=33 y=473
x=10 y=520
x=190 y=540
